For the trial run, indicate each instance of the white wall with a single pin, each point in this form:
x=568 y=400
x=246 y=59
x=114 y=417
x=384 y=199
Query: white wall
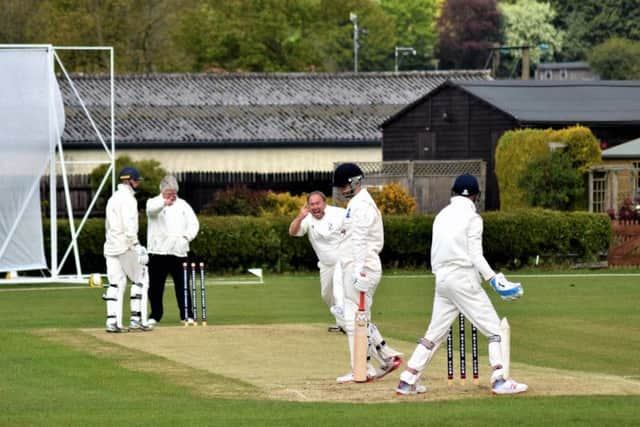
x=235 y=160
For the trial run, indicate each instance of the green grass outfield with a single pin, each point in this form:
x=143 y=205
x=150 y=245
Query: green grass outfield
x=585 y=323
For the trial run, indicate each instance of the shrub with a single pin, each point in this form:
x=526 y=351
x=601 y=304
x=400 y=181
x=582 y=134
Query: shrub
x=282 y=204
x=236 y=200
x=521 y=150
x=233 y=244
x=393 y=199
x=552 y=182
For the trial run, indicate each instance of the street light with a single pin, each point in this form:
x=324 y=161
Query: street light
x=404 y=51
x=356 y=33
x=354 y=20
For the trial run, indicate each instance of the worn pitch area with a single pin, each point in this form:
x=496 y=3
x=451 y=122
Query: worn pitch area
x=299 y=362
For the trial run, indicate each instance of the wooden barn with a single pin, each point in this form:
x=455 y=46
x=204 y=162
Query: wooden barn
x=465 y=119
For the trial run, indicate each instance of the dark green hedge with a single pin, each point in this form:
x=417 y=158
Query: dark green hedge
x=232 y=244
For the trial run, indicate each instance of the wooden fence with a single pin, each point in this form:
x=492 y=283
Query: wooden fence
x=625 y=248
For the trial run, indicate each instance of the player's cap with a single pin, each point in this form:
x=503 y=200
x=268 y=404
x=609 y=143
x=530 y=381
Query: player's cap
x=345 y=174
x=466 y=185
x=129 y=172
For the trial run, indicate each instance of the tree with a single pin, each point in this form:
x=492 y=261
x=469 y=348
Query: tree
x=291 y=35
x=151 y=171
x=415 y=26
x=591 y=22
x=616 y=59
x=530 y=23
x=467 y=30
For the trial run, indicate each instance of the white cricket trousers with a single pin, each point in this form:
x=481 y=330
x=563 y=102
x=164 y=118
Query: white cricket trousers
x=460 y=291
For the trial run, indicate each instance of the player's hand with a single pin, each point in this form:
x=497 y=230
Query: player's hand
x=143 y=256
x=304 y=211
x=360 y=282
x=506 y=289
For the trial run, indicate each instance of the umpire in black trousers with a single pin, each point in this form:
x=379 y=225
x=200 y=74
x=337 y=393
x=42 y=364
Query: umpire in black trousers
x=172 y=225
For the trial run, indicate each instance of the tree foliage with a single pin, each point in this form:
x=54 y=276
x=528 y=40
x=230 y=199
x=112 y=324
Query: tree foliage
x=616 y=59
x=151 y=171
x=467 y=29
x=591 y=22
x=415 y=26
x=530 y=23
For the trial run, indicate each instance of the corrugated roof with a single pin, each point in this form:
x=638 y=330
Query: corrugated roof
x=629 y=149
x=246 y=108
x=535 y=101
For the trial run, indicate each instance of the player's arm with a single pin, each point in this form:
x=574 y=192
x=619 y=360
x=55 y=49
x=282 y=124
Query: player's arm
x=296 y=228
x=474 y=238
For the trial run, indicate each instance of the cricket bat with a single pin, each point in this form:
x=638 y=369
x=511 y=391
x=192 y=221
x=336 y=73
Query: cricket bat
x=505 y=345
x=360 y=343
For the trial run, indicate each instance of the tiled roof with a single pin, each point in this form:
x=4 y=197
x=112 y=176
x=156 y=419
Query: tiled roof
x=235 y=109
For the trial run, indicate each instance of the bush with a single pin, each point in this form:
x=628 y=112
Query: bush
x=236 y=200
x=552 y=182
x=233 y=244
x=282 y=204
x=393 y=199
x=521 y=150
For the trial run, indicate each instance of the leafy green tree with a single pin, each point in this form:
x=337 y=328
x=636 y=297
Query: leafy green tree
x=552 y=182
x=467 y=29
x=591 y=22
x=530 y=23
x=151 y=171
x=415 y=26
x=616 y=59
x=284 y=35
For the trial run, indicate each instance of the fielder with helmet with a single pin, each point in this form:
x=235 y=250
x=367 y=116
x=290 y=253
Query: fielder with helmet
x=457 y=261
x=361 y=266
x=125 y=257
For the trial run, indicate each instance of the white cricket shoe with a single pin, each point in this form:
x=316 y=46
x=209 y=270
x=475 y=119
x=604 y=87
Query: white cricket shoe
x=152 y=322
x=136 y=326
x=407 y=389
x=508 y=387
x=115 y=329
x=190 y=321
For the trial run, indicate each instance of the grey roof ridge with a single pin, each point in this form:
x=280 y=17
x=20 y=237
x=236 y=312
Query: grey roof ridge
x=293 y=75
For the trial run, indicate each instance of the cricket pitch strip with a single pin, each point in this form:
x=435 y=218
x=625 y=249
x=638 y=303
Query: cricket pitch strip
x=299 y=362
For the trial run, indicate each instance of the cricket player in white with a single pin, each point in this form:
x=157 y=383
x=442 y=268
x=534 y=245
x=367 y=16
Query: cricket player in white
x=457 y=262
x=125 y=257
x=362 y=269
x=323 y=225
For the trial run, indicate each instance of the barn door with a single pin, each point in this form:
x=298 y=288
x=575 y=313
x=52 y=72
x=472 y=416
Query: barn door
x=426 y=146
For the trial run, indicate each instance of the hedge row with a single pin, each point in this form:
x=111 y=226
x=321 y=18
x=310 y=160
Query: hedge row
x=233 y=244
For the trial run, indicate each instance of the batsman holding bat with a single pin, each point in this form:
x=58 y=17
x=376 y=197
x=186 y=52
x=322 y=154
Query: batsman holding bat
x=457 y=262
x=362 y=271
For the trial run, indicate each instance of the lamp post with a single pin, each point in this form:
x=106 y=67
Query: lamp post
x=404 y=51
x=354 y=20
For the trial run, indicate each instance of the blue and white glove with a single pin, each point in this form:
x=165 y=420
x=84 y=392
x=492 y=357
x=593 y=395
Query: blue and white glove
x=141 y=251
x=506 y=289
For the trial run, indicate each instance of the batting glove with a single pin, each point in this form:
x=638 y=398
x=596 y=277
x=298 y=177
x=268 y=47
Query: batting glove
x=506 y=289
x=143 y=256
x=360 y=282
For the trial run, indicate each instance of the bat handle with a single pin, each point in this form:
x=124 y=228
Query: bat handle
x=361 y=305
